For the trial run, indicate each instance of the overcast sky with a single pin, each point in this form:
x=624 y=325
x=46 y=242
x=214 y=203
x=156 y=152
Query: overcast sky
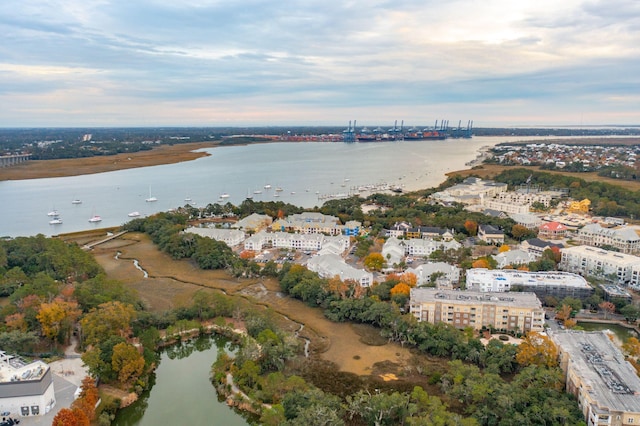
x=310 y=62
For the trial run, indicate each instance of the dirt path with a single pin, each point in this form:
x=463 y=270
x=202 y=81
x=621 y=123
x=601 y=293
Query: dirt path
x=172 y=283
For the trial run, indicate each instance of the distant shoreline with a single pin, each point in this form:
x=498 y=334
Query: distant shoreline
x=164 y=154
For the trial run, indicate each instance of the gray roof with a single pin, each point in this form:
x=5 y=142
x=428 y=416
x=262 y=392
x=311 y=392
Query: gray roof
x=610 y=380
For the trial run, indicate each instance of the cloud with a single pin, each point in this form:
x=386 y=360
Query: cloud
x=149 y=61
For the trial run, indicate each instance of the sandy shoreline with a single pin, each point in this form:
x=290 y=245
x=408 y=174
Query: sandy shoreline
x=164 y=154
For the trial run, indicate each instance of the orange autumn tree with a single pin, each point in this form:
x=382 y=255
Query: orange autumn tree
x=88 y=398
x=480 y=263
x=70 y=417
x=400 y=288
x=408 y=278
x=57 y=317
x=336 y=286
x=537 y=349
x=471 y=227
x=127 y=362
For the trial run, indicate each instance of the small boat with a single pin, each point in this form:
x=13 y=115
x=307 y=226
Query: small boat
x=95 y=219
x=293 y=192
x=276 y=195
x=188 y=199
x=257 y=191
x=249 y=195
x=56 y=221
x=267 y=186
x=224 y=195
x=278 y=189
x=151 y=198
x=134 y=214
x=76 y=201
x=53 y=212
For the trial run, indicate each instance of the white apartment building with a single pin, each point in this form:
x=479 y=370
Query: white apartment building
x=625 y=239
x=312 y=223
x=312 y=242
x=393 y=251
x=332 y=265
x=231 y=237
x=543 y=284
x=596 y=262
x=470 y=191
x=420 y=247
x=424 y=272
x=514 y=258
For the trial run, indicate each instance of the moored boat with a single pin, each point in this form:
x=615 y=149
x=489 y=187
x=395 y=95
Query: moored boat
x=134 y=214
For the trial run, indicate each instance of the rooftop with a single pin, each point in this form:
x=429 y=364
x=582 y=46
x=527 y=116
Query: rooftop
x=606 y=376
x=14 y=369
x=528 y=300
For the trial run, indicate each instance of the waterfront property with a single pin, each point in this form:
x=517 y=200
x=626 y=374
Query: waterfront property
x=450 y=274
x=231 y=237
x=518 y=312
x=332 y=265
x=543 y=284
x=471 y=191
x=604 y=383
x=25 y=389
x=315 y=223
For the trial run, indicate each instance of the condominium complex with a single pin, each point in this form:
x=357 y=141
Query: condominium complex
x=625 y=239
x=471 y=191
x=423 y=273
x=606 y=386
x=520 y=312
x=543 y=284
x=332 y=265
x=596 y=262
x=315 y=223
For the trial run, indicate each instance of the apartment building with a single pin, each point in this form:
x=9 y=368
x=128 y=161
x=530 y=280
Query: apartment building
x=521 y=312
x=597 y=374
x=542 y=284
x=625 y=239
x=231 y=237
x=332 y=265
x=424 y=272
x=599 y=263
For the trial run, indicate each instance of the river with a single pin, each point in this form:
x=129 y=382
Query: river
x=181 y=392
x=300 y=169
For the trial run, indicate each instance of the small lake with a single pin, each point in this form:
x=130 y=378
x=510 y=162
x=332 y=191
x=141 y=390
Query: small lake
x=623 y=333
x=181 y=392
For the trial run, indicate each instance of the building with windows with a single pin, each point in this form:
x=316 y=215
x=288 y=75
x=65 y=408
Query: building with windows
x=470 y=191
x=314 y=223
x=591 y=261
x=423 y=272
x=25 y=389
x=513 y=258
x=625 y=239
x=520 y=312
x=253 y=223
x=490 y=234
x=552 y=230
x=597 y=374
x=231 y=237
x=536 y=246
x=332 y=265
x=542 y=284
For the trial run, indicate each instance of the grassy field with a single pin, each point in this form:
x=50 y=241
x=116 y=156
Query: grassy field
x=164 y=154
x=353 y=348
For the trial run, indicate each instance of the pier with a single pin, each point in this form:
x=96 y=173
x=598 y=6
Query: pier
x=12 y=160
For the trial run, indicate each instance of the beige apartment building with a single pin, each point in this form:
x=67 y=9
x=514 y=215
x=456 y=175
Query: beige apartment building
x=520 y=312
x=604 y=383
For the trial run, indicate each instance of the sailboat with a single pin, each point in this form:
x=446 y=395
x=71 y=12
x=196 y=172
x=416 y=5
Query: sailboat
x=249 y=195
x=151 y=199
x=76 y=201
x=95 y=218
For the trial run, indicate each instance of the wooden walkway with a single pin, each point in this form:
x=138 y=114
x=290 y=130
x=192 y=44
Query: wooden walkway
x=104 y=240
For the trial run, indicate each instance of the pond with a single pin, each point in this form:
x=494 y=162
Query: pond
x=181 y=392
x=623 y=333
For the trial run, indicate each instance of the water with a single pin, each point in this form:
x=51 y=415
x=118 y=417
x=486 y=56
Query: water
x=301 y=169
x=182 y=393
x=623 y=333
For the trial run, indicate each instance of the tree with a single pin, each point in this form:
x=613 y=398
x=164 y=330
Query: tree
x=632 y=346
x=400 y=288
x=88 y=398
x=607 y=308
x=111 y=318
x=471 y=227
x=57 y=317
x=480 y=263
x=375 y=261
x=503 y=248
x=127 y=362
x=70 y=417
x=537 y=349
x=520 y=232
x=631 y=312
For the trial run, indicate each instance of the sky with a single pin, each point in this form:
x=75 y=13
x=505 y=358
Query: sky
x=115 y=63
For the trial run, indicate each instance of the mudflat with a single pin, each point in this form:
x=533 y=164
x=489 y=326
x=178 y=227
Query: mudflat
x=163 y=154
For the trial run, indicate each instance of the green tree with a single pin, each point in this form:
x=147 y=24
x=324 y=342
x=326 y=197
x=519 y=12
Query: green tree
x=127 y=362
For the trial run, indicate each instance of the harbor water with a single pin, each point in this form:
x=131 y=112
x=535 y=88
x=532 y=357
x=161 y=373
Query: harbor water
x=307 y=173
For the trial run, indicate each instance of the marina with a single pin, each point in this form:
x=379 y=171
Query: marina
x=314 y=171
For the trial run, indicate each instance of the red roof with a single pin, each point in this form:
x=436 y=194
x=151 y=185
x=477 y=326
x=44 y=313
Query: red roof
x=553 y=227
